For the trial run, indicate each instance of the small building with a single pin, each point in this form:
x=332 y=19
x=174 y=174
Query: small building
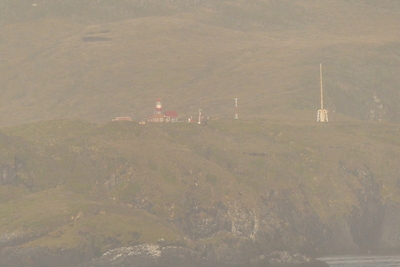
x=169 y=116
x=122 y=119
x=157 y=118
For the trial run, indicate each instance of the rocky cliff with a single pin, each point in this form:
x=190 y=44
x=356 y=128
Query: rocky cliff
x=228 y=192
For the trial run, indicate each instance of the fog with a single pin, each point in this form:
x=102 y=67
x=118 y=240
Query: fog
x=188 y=133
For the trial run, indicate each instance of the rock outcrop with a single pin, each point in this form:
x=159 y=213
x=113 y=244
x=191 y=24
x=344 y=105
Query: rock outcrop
x=103 y=203
x=172 y=256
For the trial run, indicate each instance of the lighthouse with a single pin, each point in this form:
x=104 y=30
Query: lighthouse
x=160 y=117
x=158 y=107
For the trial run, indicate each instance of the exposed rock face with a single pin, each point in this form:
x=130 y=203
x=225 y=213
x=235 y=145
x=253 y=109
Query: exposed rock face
x=366 y=220
x=280 y=226
x=142 y=255
x=8 y=173
x=235 y=234
x=17 y=238
x=113 y=214
x=390 y=232
x=339 y=239
x=172 y=256
x=147 y=255
x=277 y=224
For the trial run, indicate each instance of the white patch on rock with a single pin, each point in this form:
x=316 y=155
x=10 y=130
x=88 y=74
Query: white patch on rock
x=149 y=250
x=9 y=236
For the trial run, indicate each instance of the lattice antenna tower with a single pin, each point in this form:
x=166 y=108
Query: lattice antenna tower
x=236 y=109
x=322 y=115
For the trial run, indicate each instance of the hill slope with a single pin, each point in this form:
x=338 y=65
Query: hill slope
x=60 y=60
x=229 y=186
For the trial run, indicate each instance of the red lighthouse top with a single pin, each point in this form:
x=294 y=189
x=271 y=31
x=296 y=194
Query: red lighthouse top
x=158 y=106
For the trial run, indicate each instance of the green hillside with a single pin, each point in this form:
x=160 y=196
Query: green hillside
x=98 y=60
x=102 y=186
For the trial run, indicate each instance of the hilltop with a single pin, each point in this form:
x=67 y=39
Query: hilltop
x=98 y=60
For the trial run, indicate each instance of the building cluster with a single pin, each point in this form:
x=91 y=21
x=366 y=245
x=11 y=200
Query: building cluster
x=122 y=119
x=159 y=116
x=172 y=116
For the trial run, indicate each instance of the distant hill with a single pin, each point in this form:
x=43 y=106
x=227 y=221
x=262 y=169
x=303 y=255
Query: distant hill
x=96 y=60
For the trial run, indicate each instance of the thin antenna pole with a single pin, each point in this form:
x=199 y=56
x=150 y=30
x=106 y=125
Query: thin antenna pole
x=199 y=119
x=322 y=92
x=322 y=115
x=236 y=109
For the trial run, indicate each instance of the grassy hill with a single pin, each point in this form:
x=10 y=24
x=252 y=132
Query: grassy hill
x=98 y=60
x=100 y=186
x=71 y=178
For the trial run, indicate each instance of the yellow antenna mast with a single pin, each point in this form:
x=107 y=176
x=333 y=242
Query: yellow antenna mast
x=322 y=115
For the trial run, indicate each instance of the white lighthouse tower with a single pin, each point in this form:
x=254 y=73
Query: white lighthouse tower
x=158 y=107
x=322 y=115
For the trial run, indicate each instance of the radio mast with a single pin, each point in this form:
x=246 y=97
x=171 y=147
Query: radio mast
x=322 y=115
x=236 y=109
x=199 y=119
